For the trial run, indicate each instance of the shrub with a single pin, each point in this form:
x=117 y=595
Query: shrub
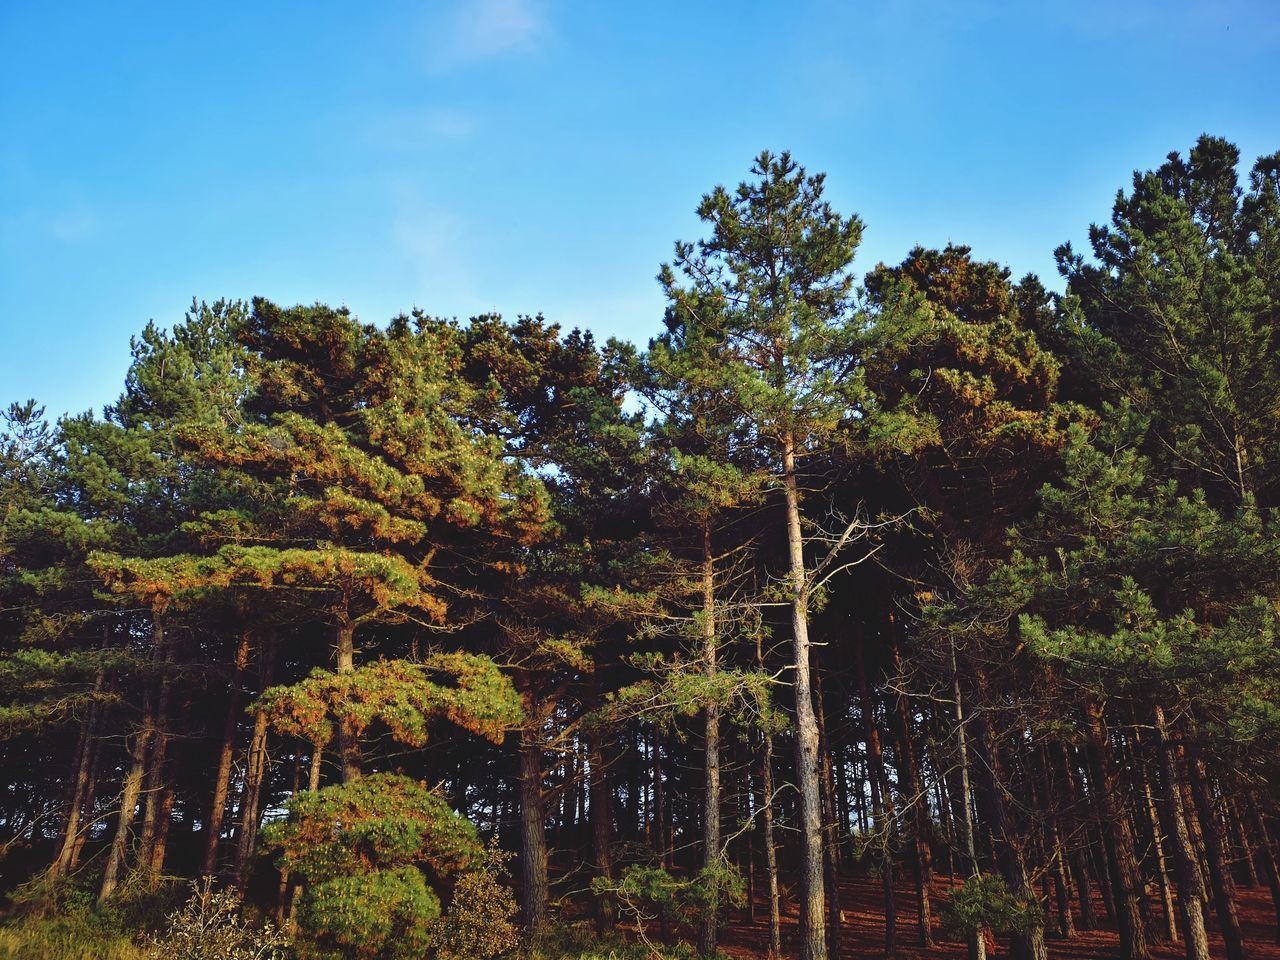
x=986 y=902
x=209 y=926
x=479 y=924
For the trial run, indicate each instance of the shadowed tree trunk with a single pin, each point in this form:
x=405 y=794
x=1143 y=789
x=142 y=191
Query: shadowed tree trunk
x=1220 y=880
x=533 y=821
x=226 y=753
x=711 y=858
x=1191 y=893
x=131 y=789
x=1126 y=882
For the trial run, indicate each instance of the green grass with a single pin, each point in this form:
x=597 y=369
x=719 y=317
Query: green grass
x=80 y=935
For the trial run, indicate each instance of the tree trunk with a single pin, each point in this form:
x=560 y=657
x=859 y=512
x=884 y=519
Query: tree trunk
x=1266 y=853
x=601 y=816
x=813 y=939
x=1191 y=893
x=977 y=940
x=1117 y=836
x=247 y=835
x=222 y=781
x=533 y=821
x=831 y=849
x=1027 y=944
x=711 y=853
x=766 y=813
x=917 y=798
x=157 y=771
x=1161 y=865
x=80 y=789
x=1220 y=880
x=882 y=806
x=348 y=745
x=131 y=789
x=256 y=770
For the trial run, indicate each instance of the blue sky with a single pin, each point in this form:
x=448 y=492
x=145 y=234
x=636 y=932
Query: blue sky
x=528 y=156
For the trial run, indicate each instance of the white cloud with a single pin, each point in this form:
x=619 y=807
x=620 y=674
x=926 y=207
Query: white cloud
x=482 y=29
x=419 y=129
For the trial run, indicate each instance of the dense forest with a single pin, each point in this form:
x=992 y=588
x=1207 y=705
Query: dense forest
x=921 y=593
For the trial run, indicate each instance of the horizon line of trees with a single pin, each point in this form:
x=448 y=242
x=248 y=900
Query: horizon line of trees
x=918 y=573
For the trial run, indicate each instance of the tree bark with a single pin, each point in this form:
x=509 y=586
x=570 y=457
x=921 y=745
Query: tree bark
x=831 y=847
x=222 y=781
x=131 y=789
x=80 y=790
x=977 y=941
x=882 y=806
x=1266 y=853
x=711 y=853
x=601 y=815
x=1027 y=944
x=1220 y=880
x=1191 y=893
x=533 y=821
x=917 y=798
x=766 y=813
x=348 y=745
x=813 y=939
x=1117 y=836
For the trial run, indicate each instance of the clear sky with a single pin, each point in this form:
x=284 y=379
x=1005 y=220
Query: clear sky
x=527 y=156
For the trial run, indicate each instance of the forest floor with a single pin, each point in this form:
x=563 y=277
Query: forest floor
x=862 y=899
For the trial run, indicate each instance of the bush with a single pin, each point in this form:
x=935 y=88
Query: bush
x=987 y=902
x=479 y=924
x=209 y=926
x=581 y=942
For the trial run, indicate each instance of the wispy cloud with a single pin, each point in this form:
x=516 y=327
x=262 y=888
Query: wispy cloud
x=483 y=29
x=419 y=128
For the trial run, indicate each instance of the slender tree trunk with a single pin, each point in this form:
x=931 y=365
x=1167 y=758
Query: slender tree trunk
x=882 y=806
x=533 y=822
x=80 y=790
x=917 y=797
x=1027 y=944
x=659 y=801
x=131 y=789
x=157 y=772
x=1161 y=865
x=348 y=745
x=226 y=753
x=256 y=770
x=160 y=844
x=1248 y=869
x=247 y=835
x=1118 y=838
x=977 y=940
x=766 y=813
x=1266 y=853
x=831 y=850
x=87 y=807
x=813 y=939
x=1220 y=880
x=1191 y=894
x=282 y=892
x=711 y=853
x=601 y=816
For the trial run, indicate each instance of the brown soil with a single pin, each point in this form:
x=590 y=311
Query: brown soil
x=863 y=931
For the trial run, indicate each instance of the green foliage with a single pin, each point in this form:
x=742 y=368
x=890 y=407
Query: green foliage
x=986 y=902
x=361 y=847
x=582 y=942
x=647 y=893
x=404 y=696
